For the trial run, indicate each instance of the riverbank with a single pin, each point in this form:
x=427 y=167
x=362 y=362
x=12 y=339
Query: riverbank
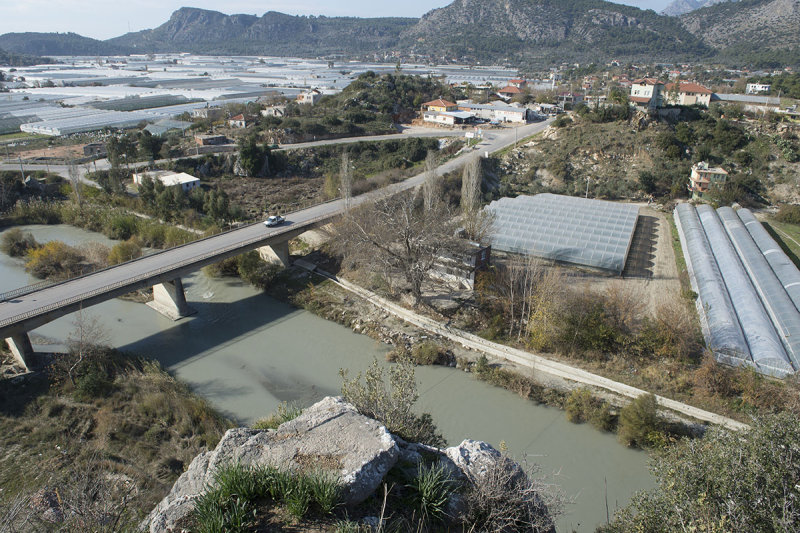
x=95 y=442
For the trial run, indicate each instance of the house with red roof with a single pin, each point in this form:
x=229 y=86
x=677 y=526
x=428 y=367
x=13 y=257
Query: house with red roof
x=688 y=93
x=440 y=106
x=509 y=91
x=647 y=93
x=519 y=83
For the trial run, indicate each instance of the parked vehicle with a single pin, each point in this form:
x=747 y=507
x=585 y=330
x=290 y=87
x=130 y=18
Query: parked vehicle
x=274 y=220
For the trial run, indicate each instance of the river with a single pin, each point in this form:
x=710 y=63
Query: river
x=246 y=352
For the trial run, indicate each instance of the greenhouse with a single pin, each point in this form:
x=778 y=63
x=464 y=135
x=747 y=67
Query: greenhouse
x=747 y=315
x=580 y=231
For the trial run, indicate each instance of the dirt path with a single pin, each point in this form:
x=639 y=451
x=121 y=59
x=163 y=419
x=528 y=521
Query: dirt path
x=525 y=359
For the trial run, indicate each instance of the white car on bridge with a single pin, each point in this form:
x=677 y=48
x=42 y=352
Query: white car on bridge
x=274 y=220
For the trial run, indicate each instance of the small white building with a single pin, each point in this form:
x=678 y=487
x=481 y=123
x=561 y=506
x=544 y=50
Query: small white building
x=647 y=93
x=212 y=113
x=274 y=111
x=447 y=118
x=185 y=181
x=757 y=88
x=309 y=97
x=500 y=113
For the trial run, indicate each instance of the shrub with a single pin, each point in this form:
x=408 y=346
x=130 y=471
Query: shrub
x=93 y=383
x=639 y=423
x=391 y=403
x=431 y=490
x=125 y=251
x=55 y=260
x=284 y=413
x=562 y=121
x=727 y=481
x=122 y=227
x=789 y=213
x=256 y=271
x=426 y=353
x=17 y=243
x=581 y=406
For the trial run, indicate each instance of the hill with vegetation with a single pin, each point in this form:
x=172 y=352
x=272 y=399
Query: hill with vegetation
x=12 y=59
x=200 y=30
x=537 y=30
x=57 y=44
x=760 y=32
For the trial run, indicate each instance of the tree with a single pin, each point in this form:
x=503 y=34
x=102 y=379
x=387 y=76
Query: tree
x=399 y=235
x=477 y=222
x=252 y=157
x=726 y=481
x=346 y=179
x=77 y=183
x=89 y=338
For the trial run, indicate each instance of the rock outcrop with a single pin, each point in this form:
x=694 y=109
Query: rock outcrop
x=331 y=436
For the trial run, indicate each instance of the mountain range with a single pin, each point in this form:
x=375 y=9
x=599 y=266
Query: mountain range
x=680 y=7
x=520 y=32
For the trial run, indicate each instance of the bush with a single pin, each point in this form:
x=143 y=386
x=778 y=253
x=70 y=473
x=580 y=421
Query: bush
x=122 y=227
x=391 y=403
x=639 y=423
x=727 y=481
x=284 y=413
x=17 y=243
x=55 y=260
x=426 y=353
x=562 y=121
x=93 y=383
x=256 y=271
x=581 y=406
x=789 y=213
x=125 y=251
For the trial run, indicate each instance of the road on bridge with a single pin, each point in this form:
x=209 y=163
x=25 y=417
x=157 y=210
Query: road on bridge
x=38 y=303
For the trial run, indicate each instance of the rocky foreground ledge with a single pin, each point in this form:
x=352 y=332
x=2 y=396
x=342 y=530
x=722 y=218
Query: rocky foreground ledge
x=331 y=436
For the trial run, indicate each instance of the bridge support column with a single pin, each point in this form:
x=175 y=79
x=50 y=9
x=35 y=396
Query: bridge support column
x=170 y=301
x=276 y=253
x=21 y=349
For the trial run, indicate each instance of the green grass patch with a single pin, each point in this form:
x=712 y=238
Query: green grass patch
x=787 y=236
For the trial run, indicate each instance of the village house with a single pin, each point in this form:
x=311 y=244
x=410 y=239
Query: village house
x=756 y=88
x=568 y=98
x=647 y=93
x=208 y=113
x=239 y=121
x=703 y=178
x=688 y=93
x=209 y=140
x=499 y=113
x=519 y=83
x=439 y=106
x=309 y=97
x=509 y=91
x=274 y=111
x=186 y=182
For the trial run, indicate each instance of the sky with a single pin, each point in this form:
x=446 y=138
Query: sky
x=103 y=19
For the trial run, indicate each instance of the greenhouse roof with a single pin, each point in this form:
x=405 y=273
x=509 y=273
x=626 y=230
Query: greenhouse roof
x=582 y=231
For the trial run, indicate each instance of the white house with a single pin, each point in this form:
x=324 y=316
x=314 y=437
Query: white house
x=647 y=93
x=688 y=93
x=185 y=181
x=309 y=97
x=274 y=111
x=756 y=88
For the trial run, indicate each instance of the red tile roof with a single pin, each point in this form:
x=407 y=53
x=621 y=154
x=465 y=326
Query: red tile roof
x=439 y=103
x=509 y=89
x=640 y=99
x=517 y=80
x=646 y=81
x=689 y=87
x=238 y=117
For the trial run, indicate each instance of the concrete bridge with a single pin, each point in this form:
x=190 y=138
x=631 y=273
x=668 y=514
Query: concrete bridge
x=27 y=308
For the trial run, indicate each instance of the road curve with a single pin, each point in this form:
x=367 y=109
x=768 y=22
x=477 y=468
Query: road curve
x=38 y=305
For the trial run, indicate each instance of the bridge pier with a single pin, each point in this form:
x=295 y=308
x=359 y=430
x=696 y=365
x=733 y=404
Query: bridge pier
x=170 y=301
x=277 y=253
x=21 y=349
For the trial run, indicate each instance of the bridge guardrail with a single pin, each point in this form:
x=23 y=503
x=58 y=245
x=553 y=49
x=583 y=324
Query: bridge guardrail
x=175 y=266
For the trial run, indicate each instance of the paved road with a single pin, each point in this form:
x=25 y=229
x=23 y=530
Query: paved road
x=104 y=164
x=38 y=307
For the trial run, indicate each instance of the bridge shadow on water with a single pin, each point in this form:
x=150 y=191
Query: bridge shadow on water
x=226 y=350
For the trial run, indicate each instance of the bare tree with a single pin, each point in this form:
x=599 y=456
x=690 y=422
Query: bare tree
x=398 y=235
x=346 y=180
x=87 y=339
x=76 y=182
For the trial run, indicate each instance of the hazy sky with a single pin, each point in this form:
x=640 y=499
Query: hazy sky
x=103 y=19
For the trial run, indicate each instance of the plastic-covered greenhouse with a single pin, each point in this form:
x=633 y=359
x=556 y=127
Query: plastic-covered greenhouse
x=581 y=231
x=746 y=312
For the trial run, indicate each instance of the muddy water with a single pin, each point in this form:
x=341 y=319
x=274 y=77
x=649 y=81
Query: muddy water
x=246 y=353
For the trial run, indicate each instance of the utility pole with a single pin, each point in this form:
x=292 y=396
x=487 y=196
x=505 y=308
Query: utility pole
x=587 y=186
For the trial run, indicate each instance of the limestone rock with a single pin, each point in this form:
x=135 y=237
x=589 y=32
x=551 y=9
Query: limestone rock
x=474 y=458
x=330 y=436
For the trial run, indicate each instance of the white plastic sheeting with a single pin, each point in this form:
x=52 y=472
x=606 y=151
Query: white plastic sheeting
x=766 y=347
x=721 y=327
x=581 y=231
x=738 y=292
x=783 y=267
x=779 y=306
